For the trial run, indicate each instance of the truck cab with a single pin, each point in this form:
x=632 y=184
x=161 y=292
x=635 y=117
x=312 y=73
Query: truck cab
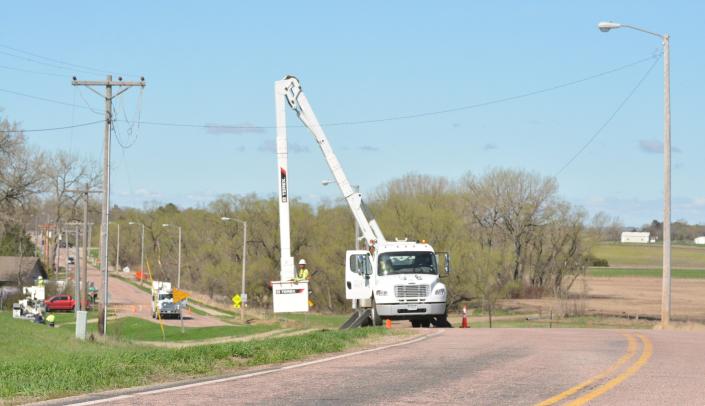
x=163 y=301
x=399 y=280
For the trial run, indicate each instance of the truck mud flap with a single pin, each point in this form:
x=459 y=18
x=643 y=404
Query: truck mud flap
x=360 y=318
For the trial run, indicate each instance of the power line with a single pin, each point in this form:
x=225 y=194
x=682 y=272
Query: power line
x=421 y=114
x=32 y=71
x=67 y=64
x=36 y=130
x=609 y=119
x=44 y=99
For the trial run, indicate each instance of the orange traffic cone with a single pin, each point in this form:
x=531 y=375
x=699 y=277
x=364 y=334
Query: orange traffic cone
x=465 y=317
x=389 y=323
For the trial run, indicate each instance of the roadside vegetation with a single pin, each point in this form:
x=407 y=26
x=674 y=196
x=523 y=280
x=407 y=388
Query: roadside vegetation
x=38 y=362
x=136 y=329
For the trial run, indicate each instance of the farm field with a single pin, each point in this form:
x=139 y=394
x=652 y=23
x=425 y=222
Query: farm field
x=650 y=255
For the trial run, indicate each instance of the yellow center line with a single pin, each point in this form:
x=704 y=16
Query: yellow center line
x=643 y=359
x=631 y=351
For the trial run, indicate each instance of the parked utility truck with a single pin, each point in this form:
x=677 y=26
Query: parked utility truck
x=389 y=279
x=163 y=301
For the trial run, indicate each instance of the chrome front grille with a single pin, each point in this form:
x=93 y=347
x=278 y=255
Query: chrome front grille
x=405 y=291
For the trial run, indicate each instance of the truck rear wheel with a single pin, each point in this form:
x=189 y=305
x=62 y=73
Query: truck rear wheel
x=415 y=323
x=426 y=323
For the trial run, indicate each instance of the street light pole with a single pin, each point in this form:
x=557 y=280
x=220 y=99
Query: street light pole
x=141 y=249
x=666 y=280
x=117 y=251
x=243 y=295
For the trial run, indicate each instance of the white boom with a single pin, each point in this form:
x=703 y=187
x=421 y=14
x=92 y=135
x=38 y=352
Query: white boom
x=289 y=90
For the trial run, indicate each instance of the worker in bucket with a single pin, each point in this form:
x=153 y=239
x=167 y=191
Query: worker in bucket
x=302 y=273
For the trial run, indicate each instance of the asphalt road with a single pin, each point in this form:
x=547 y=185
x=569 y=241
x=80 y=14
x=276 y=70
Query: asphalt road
x=127 y=300
x=471 y=366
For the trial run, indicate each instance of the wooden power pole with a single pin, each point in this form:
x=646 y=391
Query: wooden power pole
x=108 y=83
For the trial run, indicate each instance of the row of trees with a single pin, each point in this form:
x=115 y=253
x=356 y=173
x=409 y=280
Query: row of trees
x=680 y=230
x=508 y=231
x=35 y=189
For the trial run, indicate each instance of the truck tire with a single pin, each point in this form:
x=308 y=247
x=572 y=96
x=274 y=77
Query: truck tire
x=442 y=322
x=415 y=323
x=426 y=323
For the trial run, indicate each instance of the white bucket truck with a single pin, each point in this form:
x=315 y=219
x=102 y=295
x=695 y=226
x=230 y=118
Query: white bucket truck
x=388 y=280
x=163 y=305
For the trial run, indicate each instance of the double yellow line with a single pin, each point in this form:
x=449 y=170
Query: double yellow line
x=632 y=348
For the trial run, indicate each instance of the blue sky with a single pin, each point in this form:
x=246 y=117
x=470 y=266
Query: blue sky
x=216 y=62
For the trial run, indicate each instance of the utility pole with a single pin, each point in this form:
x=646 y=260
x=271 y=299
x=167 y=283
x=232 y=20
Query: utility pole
x=108 y=96
x=77 y=277
x=117 y=251
x=84 y=274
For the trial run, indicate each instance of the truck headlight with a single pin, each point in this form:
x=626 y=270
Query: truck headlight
x=381 y=292
x=440 y=292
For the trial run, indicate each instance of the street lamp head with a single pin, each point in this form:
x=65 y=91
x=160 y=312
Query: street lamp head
x=608 y=25
x=327 y=182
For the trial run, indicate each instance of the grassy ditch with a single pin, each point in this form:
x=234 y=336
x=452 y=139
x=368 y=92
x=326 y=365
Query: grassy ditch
x=38 y=362
x=136 y=329
x=646 y=273
x=569 y=322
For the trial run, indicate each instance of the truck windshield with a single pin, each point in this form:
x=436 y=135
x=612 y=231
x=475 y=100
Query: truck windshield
x=407 y=263
x=164 y=296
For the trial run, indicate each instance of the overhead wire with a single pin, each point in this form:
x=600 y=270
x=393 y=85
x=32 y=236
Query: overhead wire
x=36 y=130
x=46 y=99
x=609 y=119
x=420 y=114
x=67 y=65
x=32 y=71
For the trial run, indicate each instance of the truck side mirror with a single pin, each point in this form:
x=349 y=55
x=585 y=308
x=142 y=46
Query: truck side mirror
x=447 y=263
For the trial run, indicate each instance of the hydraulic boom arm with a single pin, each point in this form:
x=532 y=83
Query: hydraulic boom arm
x=289 y=90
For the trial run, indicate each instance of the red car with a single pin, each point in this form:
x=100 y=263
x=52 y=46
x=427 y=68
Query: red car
x=60 y=302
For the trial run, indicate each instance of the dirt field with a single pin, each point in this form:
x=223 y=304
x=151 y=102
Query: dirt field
x=625 y=296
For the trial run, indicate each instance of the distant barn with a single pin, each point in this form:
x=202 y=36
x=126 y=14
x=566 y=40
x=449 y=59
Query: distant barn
x=699 y=240
x=635 y=237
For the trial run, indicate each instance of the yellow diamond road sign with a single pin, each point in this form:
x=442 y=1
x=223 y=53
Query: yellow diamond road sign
x=237 y=301
x=179 y=295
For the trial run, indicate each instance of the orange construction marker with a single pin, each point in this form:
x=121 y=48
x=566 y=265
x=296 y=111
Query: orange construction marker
x=389 y=323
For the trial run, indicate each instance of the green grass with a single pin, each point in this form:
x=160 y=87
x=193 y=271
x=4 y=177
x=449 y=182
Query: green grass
x=132 y=328
x=315 y=320
x=37 y=362
x=648 y=273
x=570 y=322
x=649 y=255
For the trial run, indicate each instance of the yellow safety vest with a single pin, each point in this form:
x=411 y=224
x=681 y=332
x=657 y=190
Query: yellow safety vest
x=302 y=274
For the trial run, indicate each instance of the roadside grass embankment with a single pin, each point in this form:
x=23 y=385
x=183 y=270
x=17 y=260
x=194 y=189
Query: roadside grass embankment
x=569 y=322
x=136 y=329
x=38 y=362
